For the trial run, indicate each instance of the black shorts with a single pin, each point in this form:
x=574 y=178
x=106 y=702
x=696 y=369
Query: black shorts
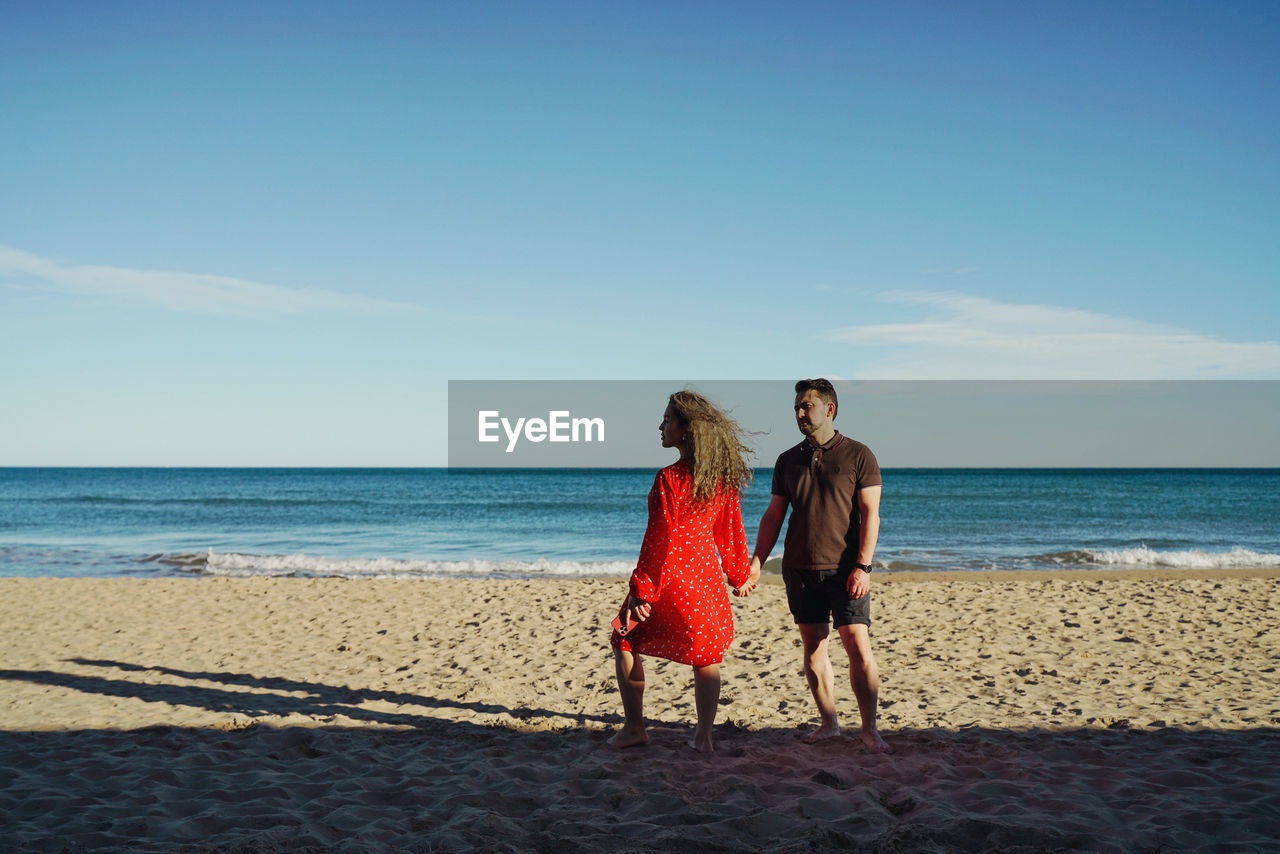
x=818 y=595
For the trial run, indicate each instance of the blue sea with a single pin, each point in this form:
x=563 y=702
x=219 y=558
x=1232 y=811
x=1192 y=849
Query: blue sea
x=521 y=523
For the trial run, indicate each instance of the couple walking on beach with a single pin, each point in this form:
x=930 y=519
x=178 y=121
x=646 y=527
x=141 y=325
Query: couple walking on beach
x=677 y=605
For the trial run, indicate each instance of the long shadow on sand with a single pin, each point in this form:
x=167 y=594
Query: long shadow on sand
x=462 y=786
x=317 y=700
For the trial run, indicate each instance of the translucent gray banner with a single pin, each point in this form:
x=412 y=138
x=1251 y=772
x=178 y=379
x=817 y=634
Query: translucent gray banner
x=1016 y=424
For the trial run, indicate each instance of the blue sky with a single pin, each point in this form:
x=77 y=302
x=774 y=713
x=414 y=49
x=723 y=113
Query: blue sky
x=270 y=234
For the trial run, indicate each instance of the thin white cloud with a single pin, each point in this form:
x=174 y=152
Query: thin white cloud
x=968 y=337
x=190 y=292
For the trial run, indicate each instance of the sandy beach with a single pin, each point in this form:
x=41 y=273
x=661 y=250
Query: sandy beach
x=1085 y=711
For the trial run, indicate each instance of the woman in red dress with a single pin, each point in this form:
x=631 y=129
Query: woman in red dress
x=677 y=597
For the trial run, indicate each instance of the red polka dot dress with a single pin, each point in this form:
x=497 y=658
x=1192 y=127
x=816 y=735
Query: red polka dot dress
x=680 y=575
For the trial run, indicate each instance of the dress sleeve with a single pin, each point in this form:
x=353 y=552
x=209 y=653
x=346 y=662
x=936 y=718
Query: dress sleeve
x=731 y=541
x=646 y=580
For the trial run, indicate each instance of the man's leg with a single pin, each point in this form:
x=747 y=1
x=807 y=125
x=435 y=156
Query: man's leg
x=706 y=697
x=631 y=686
x=864 y=676
x=817 y=670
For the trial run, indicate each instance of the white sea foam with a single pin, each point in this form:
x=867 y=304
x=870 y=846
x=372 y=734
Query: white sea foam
x=1237 y=558
x=314 y=566
x=240 y=565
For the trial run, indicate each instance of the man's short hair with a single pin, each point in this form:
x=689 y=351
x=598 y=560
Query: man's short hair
x=825 y=390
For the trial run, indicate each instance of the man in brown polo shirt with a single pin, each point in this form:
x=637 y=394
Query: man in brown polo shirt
x=833 y=484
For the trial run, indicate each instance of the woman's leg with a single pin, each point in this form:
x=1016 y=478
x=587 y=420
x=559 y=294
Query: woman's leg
x=706 y=697
x=631 y=686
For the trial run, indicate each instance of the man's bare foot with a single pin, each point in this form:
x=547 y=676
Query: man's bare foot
x=629 y=738
x=831 y=729
x=874 y=743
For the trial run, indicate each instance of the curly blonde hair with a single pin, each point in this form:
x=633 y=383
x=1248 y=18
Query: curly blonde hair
x=716 y=448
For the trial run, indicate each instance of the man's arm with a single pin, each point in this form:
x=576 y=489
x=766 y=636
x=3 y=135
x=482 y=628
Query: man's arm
x=766 y=538
x=868 y=534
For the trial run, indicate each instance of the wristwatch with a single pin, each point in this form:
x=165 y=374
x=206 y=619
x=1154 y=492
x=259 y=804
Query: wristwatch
x=865 y=567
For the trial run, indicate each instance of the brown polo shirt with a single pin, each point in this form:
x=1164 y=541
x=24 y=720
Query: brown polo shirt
x=822 y=485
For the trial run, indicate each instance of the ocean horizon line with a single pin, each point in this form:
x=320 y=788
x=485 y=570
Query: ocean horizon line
x=109 y=520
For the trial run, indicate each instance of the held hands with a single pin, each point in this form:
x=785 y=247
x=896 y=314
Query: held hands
x=753 y=580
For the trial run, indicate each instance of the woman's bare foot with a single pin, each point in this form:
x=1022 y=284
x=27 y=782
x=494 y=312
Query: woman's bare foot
x=628 y=737
x=830 y=729
x=702 y=743
x=872 y=741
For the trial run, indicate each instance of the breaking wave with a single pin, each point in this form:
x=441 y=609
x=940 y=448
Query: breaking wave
x=232 y=565
x=1142 y=556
